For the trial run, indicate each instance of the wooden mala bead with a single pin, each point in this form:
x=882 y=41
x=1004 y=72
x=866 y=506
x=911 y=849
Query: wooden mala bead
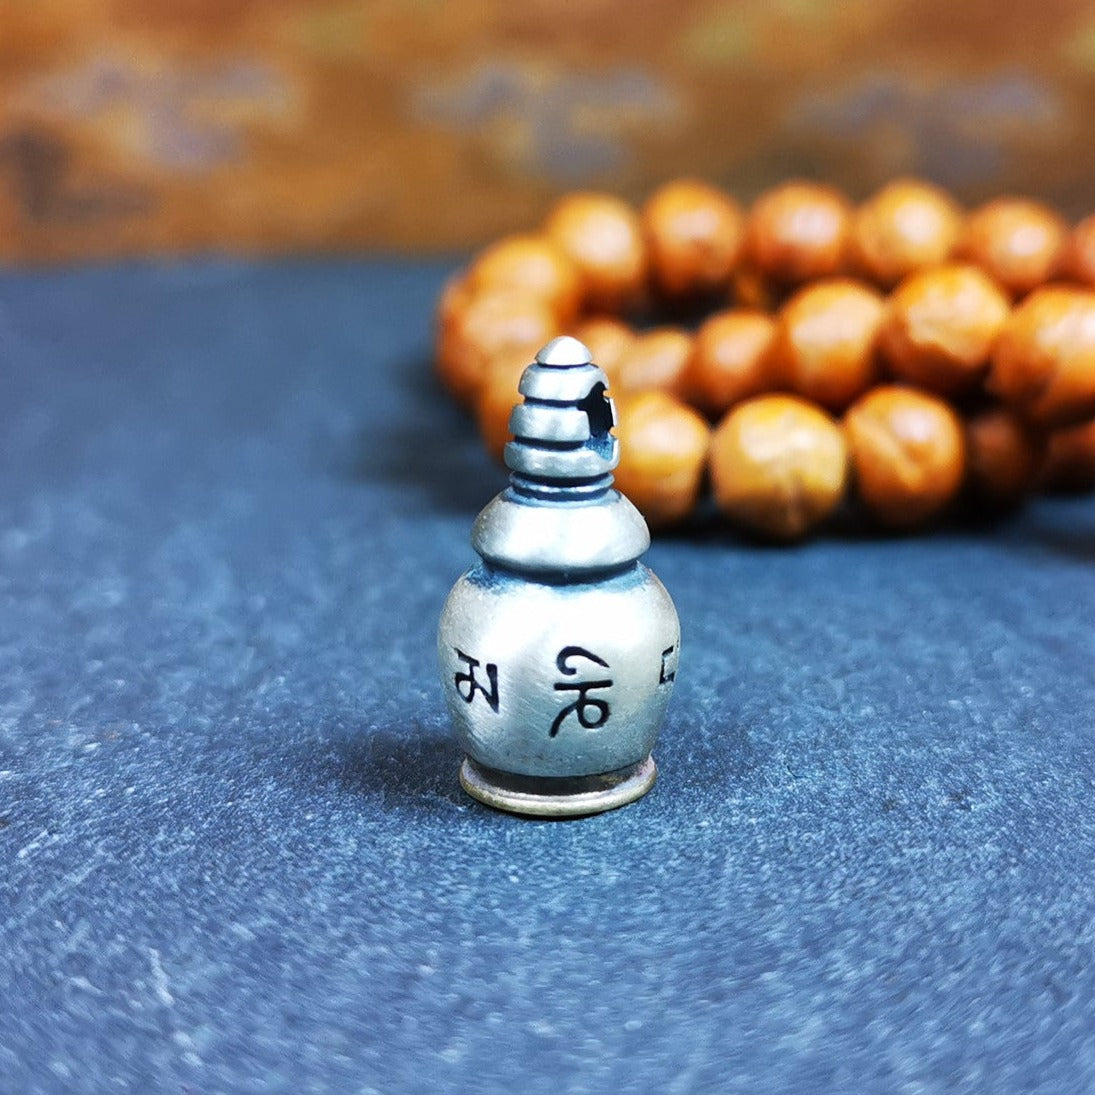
x=908 y=454
x=802 y=323
x=799 y=231
x=602 y=236
x=940 y=327
x=778 y=466
x=1018 y=243
x=482 y=326
x=607 y=338
x=1069 y=463
x=1003 y=456
x=826 y=341
x=532 y=264
x=1044 y=361
x=654 y=359
x=1079 y=260
x=454 y=296
x=730 y=360
x=663 y=451
x=694 y=236
x=907 y=226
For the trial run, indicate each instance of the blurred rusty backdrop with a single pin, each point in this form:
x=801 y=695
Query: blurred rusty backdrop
x=151 y=126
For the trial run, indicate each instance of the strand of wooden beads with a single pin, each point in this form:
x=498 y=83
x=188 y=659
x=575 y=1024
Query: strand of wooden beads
x=903 y=348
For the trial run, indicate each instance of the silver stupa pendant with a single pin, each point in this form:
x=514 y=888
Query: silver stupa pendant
x=559 y=649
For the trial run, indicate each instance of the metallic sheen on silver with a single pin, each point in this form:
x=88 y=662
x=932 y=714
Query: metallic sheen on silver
x=558 y=649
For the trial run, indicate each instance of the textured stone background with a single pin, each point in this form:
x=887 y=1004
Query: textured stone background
x=137 y=126
x=234 y=856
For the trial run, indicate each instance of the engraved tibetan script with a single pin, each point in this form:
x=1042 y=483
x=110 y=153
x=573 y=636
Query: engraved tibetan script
x=592 y=711
x=667 y=675
x=467 y=684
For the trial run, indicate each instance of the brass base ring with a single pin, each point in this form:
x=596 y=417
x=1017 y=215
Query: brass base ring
x=552 y=796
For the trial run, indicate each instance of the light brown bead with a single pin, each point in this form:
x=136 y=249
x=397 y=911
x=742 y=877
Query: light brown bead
x=778 y=466
x=799 y=231
x=907 y=226
x=498 y=395
x=826 y=341
x=730 y=360
x=908 y=452
x=1069 y=464
x=1044 y=362
x=694 y=235
x=454 y=296
x=451 y=305
x=656 y=359
x=602 y=236
x=485 y=325
x=663 y=450
x=940 y=327
x=1003 y=456
x=1079 y=261
x=534 y=264
x=1019 y=243
x=607 y=339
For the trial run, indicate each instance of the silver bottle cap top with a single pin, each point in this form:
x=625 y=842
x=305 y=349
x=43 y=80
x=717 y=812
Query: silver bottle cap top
x=561 y=430
x=560 y=516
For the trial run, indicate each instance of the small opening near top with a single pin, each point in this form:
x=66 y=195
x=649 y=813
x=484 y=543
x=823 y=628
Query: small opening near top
x=599 y=412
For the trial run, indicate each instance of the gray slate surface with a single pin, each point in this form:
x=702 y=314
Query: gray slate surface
x=233 y=853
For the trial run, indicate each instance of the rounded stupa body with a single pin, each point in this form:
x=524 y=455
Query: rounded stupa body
x=558 y=650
